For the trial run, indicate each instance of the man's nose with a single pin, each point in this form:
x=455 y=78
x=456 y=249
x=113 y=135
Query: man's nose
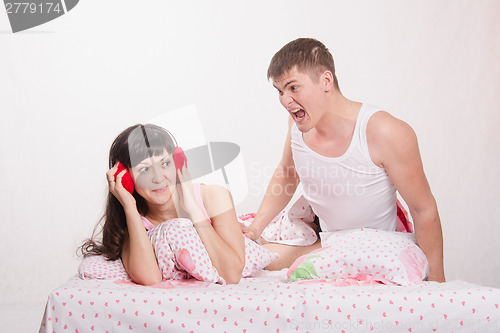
x=286 y=100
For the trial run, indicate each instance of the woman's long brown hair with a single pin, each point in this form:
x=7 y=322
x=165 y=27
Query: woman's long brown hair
x=130 y=147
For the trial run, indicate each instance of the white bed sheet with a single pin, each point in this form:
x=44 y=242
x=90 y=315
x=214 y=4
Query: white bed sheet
x=269 y=303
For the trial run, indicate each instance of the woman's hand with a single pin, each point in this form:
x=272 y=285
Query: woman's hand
x=187 y=197
x=117 y=189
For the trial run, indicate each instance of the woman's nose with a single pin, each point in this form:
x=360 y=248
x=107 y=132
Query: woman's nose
x=158 y=175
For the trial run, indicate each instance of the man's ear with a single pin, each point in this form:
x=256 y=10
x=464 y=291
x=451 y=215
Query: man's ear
x=326 y=79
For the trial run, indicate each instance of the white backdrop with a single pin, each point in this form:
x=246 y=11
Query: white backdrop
x=68 y=87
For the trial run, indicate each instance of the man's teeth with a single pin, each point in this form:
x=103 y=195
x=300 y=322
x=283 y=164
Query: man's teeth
x=298 y=113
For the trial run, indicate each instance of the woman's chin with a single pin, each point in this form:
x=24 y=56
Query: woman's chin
x=159 y=197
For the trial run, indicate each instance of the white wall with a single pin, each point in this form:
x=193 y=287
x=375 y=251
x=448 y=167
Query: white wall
x=67 y=88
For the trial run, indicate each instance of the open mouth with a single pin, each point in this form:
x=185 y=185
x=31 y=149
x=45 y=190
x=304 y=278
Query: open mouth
x=298 y=114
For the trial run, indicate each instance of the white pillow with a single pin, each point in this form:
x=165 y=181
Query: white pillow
x=97 y=267
x=388 y=257
x=190 y=253
x=178 y=249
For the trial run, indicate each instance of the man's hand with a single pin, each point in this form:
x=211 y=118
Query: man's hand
x=439 y=278
x=250 y=232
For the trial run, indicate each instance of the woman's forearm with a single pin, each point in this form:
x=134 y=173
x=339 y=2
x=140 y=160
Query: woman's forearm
x=225 y=259
x=138 y=254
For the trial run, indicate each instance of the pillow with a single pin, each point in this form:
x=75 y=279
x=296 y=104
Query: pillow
x=98 y=267
x=178 y=249
x=165 y=256
x=256 y=258
x=388 y=257
x=177 y=242
x=292 y=226
x=191 y=255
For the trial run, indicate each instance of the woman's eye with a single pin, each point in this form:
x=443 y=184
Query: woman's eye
x=144 y=169
x=293 y=88
x=166 y=163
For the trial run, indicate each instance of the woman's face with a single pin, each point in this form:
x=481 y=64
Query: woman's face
x=155 y=177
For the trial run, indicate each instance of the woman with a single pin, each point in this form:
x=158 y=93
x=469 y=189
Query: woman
x=162 y=193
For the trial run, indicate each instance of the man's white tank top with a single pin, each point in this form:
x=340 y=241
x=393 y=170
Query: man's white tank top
x=349 y=191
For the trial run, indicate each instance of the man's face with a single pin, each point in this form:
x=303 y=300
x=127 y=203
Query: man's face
x=301 y=96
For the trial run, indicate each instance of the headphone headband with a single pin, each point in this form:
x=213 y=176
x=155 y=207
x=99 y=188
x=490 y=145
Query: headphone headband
x=146 y=137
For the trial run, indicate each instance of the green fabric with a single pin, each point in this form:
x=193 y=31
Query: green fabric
x=305 y=270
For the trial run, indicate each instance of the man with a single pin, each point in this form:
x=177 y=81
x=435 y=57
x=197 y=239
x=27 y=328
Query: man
x=350 y=157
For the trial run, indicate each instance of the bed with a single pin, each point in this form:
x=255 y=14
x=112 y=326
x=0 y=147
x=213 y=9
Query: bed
x=361 y=280
x=269 y=302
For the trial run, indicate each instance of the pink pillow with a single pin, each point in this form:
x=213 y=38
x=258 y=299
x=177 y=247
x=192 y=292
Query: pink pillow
x=176 y=241
x=164 y=254
x=256 y=258
x=388 y=257
x=190 y=253
x=97 y=267
x=179 y=251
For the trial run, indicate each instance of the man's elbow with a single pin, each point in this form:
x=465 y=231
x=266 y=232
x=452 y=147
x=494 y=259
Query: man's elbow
x=426 y=213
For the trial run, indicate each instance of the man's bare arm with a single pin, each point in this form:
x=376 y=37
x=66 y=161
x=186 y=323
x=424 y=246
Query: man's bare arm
x=279 y=191
x=393 y=145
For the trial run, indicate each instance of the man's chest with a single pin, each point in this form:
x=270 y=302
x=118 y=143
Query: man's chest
x=335 y=145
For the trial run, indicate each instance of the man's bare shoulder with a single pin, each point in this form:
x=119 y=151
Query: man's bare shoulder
x=384 y=126
x=388 y=136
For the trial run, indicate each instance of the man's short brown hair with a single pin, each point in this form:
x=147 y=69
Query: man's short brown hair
x=307 y=54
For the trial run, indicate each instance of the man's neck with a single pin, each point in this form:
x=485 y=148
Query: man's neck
x=340 y=110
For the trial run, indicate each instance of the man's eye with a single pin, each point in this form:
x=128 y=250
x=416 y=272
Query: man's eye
x=293 y=88
x=280 y=92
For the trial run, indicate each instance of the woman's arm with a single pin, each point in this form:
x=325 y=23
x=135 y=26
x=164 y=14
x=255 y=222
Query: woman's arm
x=138 y=256
x=222 y=238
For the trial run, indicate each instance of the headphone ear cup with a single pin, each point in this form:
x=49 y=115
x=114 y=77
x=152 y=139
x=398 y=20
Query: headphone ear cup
x=127 y=181
x=180 y=159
